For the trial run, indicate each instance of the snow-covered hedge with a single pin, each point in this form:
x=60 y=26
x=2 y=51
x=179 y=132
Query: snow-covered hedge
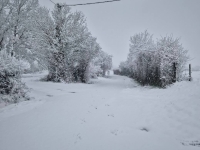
x=12 y=89
x=158 y=64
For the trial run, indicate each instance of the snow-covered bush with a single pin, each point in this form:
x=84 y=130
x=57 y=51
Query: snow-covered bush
x=12 y=89
x=125 y=69
x=94 y=70
x=157 y=64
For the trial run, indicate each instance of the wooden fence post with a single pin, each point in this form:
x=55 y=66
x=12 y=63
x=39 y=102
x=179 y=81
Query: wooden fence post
x=174 y=72
x=190 y=73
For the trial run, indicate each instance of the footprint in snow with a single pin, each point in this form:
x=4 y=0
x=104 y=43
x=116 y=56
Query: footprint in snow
x=94 y=106
x=111 y=115
x=83 y=121
x=114 y=132
x=144 y=129
x=78 y=137
x=50 y=95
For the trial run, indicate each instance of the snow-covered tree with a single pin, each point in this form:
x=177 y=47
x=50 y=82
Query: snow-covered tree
x=15 y=21
x=18 y=41
x=105 y=62
x=5 y=24
x=83 y=57
x=170 y=51
x=66 y=42
x=141 y=50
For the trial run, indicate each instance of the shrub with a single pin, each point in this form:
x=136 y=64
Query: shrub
x=12 y=89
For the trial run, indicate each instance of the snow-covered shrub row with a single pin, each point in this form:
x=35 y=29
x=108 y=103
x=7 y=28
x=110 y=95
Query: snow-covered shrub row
x=153 y=63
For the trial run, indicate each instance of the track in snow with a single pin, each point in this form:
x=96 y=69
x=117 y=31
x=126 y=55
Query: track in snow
x=112 y=113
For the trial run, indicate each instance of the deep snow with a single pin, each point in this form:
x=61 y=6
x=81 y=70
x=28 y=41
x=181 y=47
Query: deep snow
x=113 y=113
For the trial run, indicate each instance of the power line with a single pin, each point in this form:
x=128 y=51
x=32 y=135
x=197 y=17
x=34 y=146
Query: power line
x=90 y=3
x=94 y=3
x=52 y=2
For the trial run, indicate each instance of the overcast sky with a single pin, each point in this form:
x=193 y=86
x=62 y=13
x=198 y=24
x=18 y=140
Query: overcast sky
x=114 y=23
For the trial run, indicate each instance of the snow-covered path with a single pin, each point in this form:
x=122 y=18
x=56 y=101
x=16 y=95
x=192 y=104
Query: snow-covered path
x=111 y=114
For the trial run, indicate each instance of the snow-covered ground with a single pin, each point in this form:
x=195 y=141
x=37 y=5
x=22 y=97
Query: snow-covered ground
x=111 y=114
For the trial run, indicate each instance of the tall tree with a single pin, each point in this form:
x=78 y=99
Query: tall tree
x=68 y=44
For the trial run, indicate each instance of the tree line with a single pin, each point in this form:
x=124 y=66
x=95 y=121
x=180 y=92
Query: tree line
x=33 y=38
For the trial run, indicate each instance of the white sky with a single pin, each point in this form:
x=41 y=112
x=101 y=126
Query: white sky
x=114 y=23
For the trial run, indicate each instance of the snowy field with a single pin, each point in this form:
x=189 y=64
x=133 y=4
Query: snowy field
x=112 y=113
